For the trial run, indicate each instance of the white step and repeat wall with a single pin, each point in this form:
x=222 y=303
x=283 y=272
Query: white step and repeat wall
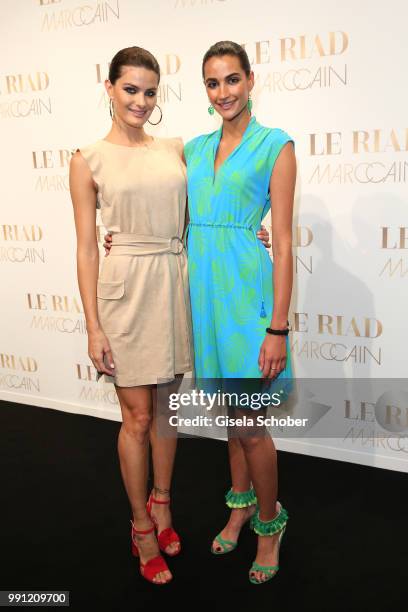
x=332 y=74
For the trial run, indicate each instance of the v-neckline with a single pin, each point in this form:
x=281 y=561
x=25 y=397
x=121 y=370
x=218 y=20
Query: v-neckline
x=217 y=144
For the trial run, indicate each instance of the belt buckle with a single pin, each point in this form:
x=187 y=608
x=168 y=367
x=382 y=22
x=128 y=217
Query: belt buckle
x=176 y=245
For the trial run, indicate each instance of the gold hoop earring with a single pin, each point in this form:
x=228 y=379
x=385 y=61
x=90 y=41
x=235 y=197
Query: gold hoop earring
x=161 y=117
x=111 y=109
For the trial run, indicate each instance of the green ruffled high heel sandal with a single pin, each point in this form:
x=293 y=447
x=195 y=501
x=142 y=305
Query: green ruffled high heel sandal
x=268 y=528
x=234 y=500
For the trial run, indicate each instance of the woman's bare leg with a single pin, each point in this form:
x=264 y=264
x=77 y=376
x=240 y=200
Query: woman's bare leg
x=241 y=481
x=133 y=448
x=261 y=458
x=163 y=439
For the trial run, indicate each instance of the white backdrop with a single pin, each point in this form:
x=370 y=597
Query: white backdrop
x=331 y=74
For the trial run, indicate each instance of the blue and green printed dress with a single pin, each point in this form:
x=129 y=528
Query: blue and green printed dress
x=230 y=271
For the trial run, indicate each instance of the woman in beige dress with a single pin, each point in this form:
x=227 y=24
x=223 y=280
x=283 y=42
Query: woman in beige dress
x=137 y=306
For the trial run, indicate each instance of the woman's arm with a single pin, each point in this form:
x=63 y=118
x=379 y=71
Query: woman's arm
x=272 y=356
x=282 y=190
x=186 y=221
x=83 y=195
x=187 y=215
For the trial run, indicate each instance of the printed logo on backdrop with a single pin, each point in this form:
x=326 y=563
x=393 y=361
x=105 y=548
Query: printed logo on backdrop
x=336 y=338
x=368 y=413
x=25 y=95
x=394 y=239
x=19 y=372
x=55 y=313
x=170 y=87
x=59 y=15
x=302 y=243
x=389 y=410
x=373 y=157
x=51 y=169
x=90 y=390
x=303 y=239
x=45 y=163
x=308 y=61
x=20 y=244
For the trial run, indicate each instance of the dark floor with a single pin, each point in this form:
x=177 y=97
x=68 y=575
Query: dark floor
x=65 y=525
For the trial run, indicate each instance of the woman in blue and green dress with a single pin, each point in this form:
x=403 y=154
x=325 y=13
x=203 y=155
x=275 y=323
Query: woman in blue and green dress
x=235 y=175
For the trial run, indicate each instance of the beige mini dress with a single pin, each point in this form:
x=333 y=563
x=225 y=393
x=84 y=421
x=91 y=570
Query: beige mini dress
x=142 y=293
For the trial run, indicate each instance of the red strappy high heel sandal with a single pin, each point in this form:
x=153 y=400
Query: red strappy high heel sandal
x=154 y=566
x=168 y=535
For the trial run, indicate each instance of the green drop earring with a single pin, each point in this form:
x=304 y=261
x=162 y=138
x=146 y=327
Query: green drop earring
x=210 y=110
x=249 y=104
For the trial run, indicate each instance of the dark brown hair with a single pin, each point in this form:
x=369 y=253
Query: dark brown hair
x=227 y=47
x=132 y=56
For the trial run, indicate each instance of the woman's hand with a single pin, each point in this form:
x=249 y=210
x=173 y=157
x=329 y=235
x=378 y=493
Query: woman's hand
x=108 y=243
x=263 y=236
x=272 y=356
x=100 y=352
